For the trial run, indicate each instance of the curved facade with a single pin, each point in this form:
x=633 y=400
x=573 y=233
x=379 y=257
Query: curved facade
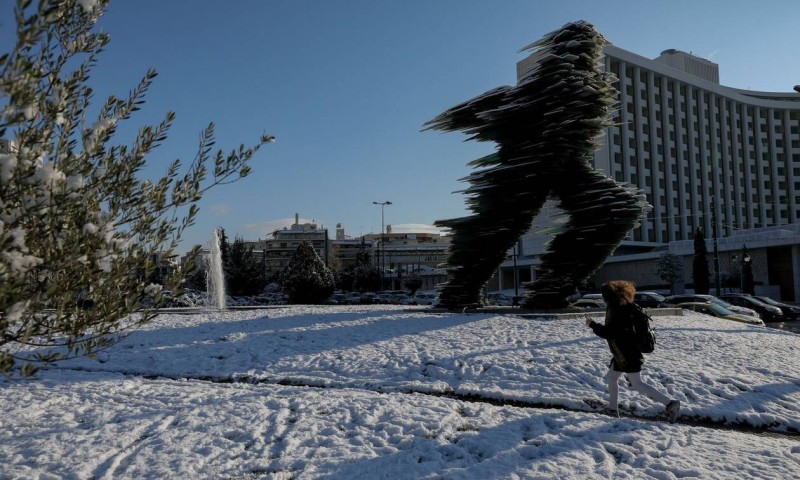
x=683 y=139
x=690 y=143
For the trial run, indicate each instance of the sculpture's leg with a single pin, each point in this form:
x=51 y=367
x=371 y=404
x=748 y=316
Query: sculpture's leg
x=481 y=242
x=602 y=212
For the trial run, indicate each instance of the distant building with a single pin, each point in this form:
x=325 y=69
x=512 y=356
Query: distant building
x=344 y=252
x=280 y=248
x=393 y=250
x=163 y=266
x=401 y=254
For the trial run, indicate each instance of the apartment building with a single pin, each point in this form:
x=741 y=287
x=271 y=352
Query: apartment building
x=691 y=144
x=344 y=252
x=279 y=249
x=408 y=250
x=401 y=254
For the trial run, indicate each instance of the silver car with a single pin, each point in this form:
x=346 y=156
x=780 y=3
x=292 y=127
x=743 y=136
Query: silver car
x=422 y=298
x=697 y=297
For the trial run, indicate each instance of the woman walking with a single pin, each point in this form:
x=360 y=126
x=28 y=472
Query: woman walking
x=622 y=316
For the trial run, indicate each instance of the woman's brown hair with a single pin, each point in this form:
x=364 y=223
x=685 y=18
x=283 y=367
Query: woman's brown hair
x=618 y=292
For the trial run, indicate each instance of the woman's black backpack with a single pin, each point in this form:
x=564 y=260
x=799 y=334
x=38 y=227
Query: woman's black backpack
x=645 y=335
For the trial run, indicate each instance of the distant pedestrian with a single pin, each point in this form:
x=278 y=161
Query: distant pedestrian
x=622 y=316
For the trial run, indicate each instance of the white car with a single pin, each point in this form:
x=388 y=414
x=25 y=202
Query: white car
x=593 y=303
x=402 y=299
x=385 y=298
x=423 y=298
x=592 y=296
x=498 y=299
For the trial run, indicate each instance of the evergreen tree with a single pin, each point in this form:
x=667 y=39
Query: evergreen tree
x=76 y=219
x=345 y=278
x=244 y=274
x=367 y=279
x=363 y=258
x=195 y=277
x=412 y=283
x=700 y=263
x=224 y=249
x=669 y=268
x=361 y=276
x=306 y=279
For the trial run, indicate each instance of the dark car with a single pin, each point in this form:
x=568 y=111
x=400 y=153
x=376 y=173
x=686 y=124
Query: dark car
x=790 y=312
x=703 y=298
x=768 y=313
x=648 y=299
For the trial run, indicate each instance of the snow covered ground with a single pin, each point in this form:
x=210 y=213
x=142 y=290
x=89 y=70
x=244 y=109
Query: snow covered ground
x=390 y=392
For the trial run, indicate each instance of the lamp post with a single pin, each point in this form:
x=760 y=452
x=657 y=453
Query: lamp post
x=716 y=248
x=516 y=278
x=515 y=301
x=381 y=257
x=747 y=271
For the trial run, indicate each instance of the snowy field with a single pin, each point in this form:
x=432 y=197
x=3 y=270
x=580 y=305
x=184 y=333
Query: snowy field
x=390 y=392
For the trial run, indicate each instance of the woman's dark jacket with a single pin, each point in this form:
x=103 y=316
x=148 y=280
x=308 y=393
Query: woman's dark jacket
x=619 y=331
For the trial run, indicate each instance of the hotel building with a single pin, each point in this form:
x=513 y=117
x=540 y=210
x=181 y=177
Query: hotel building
x=691 y=144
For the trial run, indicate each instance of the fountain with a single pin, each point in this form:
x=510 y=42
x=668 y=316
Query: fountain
x=215 y=279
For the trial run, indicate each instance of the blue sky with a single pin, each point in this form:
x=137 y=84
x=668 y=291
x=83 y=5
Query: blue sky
x=345 y=86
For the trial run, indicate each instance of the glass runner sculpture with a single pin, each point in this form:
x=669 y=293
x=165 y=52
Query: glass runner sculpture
x=545 y=128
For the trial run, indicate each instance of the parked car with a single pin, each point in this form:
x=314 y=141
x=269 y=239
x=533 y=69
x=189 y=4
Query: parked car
x=339 y=299
x=698 y=297
x=592 y=296
x=384 y=298
x=768 y=313
x=498 y=299
x=720 y=312
x=648 y=299
x=790 y=312
x=593 y=303
x=424 y=298
x=354 y=298
x=402 y=299
x=368 y=298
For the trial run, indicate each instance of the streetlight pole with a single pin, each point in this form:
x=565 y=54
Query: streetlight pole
x=746 y=267
x=381 y=258
x=716 y=248
x=516 y=277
